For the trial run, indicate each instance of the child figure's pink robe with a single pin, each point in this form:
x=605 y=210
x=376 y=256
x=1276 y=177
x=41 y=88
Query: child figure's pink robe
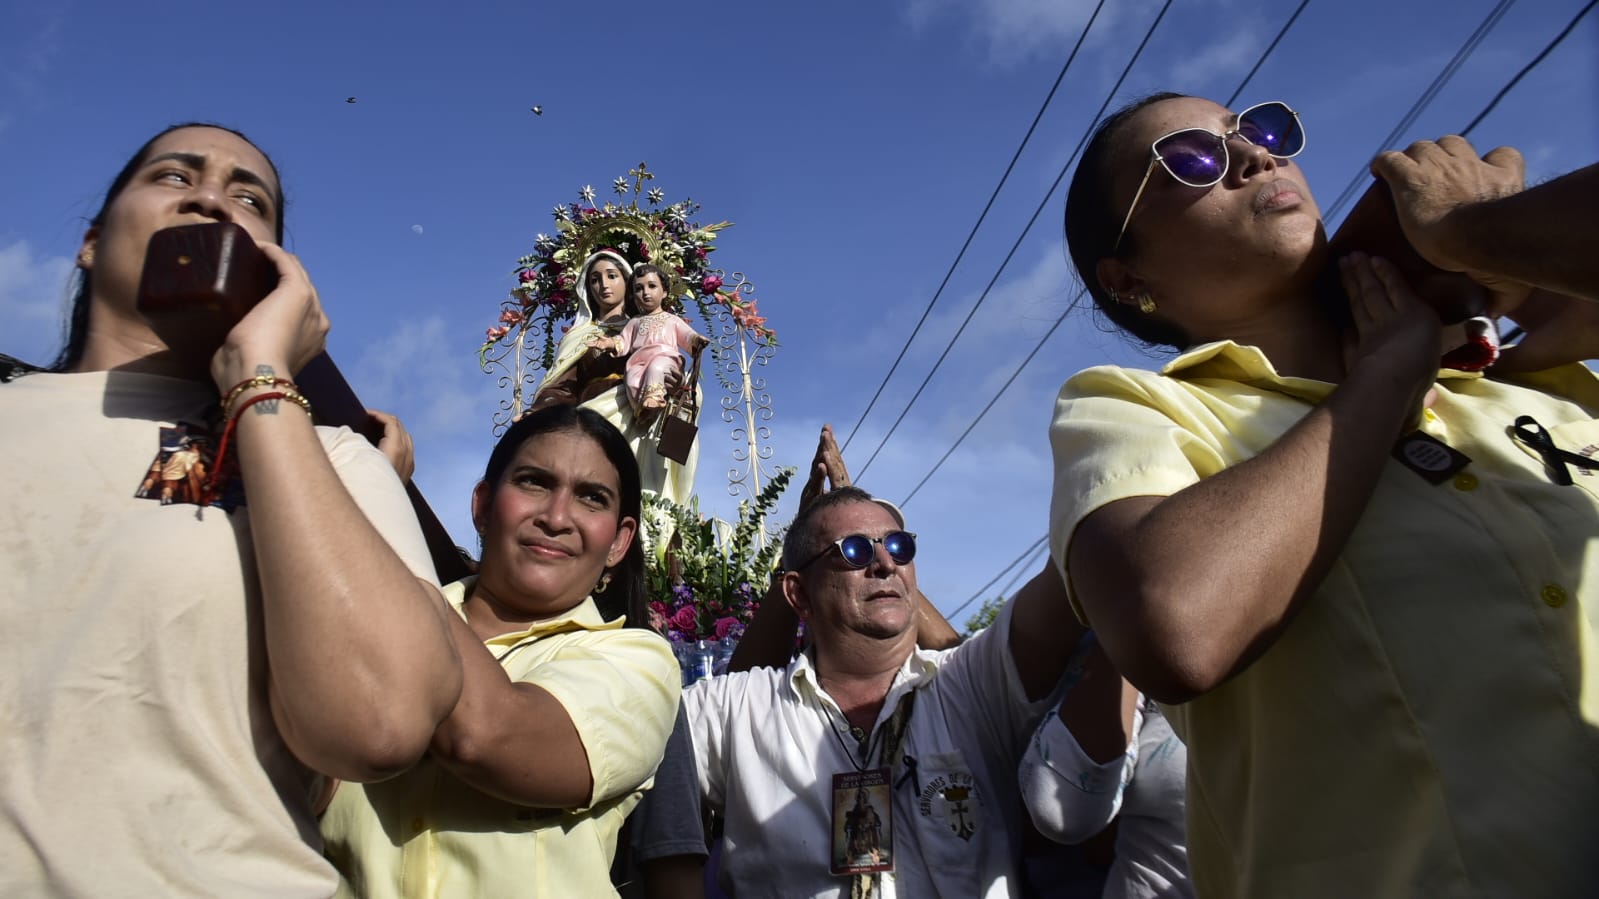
x=652 y=344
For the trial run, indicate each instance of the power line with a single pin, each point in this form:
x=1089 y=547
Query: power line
x=1422 y=102
x=1270 y=47
x=1014 y=374
x=1564 y=33
x=1017 y=245
x=1003 y=387
x=1014 y=562
x=1023 y=570
x=975 y=225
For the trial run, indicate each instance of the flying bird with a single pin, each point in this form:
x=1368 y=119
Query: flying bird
x=349 y=99
x=537 y=110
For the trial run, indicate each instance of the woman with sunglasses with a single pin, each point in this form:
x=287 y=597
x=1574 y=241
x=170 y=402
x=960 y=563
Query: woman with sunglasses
x=1369 y=608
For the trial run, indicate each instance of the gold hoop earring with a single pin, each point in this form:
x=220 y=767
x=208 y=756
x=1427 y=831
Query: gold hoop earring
x=1146 y=303
x=605 y=581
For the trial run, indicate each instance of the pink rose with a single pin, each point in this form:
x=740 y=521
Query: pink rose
x=724 y=626
x=527 y=275
x=686 y=619
x=709 y=284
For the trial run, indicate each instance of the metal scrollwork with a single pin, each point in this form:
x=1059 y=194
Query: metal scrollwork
x=517 y=363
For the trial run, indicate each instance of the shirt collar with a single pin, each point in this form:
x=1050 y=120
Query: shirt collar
x=585 y=616
x=917 y=669
x=1225 y=360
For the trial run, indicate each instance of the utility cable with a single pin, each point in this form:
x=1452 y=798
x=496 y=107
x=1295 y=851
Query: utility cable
x=1002 y=572
x=978 y=224
x=1422 y=102
x=1564 y=33
x=1017 y=245
x=1073 y=304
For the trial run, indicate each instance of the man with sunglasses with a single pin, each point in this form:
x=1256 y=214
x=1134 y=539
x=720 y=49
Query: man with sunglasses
x=783 y=754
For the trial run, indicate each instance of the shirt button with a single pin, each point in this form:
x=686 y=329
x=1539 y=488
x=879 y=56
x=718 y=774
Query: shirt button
x=1465 y=481
x=416 y=825
x=1554 y=596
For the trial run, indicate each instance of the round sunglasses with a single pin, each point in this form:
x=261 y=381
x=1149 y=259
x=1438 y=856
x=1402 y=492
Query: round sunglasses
x=1198 y=157
x=857 y=549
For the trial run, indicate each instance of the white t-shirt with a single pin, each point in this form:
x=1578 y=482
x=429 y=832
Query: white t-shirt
x=767 y=744
x=138 y=754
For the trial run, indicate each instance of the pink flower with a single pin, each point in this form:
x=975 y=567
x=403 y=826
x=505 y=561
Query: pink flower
x=700 y=252
x=686 y=619
x=709 y=284
x=658 y=617
x=527 y=275
x=723 y=626
x=497 y=333
x=510 y=317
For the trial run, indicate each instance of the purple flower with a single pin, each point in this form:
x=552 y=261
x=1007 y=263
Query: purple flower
x=683 y=593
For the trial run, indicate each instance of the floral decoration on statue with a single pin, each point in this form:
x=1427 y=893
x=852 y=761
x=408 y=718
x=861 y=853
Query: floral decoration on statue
x=665 y=235
x=707 y=584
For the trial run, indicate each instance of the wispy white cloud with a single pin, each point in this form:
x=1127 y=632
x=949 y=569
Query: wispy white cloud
x=26 y=74
x=1013 y=30
x=1229 y=57
x=32 y=300
x=418 y=370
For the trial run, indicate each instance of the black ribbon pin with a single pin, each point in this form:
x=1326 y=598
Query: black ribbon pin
x=1537 y=438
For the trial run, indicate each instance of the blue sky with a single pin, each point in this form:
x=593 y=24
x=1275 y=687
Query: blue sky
x=852 y=143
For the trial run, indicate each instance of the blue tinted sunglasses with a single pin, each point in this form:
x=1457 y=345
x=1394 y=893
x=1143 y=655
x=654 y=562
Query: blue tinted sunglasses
x=857 y=549
x=1198 y=157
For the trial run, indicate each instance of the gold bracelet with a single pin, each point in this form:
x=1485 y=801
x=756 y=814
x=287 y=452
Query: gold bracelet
x=257 y=381
x=297 y=398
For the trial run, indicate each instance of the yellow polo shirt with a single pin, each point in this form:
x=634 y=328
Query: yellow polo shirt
x=427 y=834
x=1429 y=723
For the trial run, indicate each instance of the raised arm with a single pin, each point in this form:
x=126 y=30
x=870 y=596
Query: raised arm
x=1470 y=214
x=360 y=664
x=769 y=640
x=1185 y=590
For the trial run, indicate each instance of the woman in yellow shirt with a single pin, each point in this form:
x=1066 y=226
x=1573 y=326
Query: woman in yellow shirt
x=563 y=714
x=1311 y=543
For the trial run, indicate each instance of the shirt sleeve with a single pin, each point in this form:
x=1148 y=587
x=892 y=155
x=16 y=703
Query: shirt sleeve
x=620 y=688
x=708 y=707
x=979 y=677
x=685 y=335
x=1120 y=433
x=628 y=334
x=381 y=497
x=668 y=821
x=1069 y=796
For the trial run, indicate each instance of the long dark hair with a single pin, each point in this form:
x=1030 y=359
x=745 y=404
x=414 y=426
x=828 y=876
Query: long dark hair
x=78 y=317
x=625 y=594
x=1092 y=221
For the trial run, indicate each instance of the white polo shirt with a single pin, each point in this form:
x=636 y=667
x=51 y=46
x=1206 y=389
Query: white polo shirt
x=767 y=749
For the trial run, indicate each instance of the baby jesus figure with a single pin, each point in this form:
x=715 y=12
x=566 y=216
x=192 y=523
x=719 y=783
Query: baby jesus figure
x=652 y=341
